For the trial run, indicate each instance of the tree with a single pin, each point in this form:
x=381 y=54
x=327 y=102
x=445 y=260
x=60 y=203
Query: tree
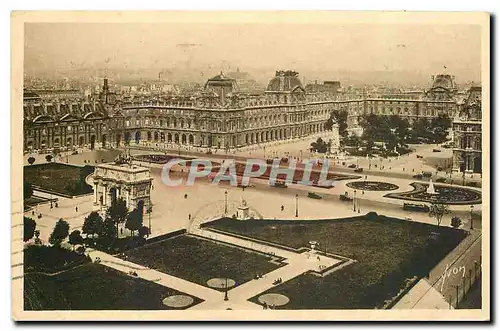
x=37 y=237
x=320 y=146
x=340 y=117
x=59 y=233
x=27 y=190
x=92 y=224
x=31 y=160
x=134 y=221
x=438 y=210
x=48 y=157
x=353 y=140
x=117 y=212
x=456 y=222
x=143 y=231
x=29 y=228
x=108 y=230
x=75 y=238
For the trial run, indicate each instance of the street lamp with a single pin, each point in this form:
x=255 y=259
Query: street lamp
x=471 y=221
x=296 y=205
x=225 y=202
x=226 y=298
x=354 y=202
x=150 y=209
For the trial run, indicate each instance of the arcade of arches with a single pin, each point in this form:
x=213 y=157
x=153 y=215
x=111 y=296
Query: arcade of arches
x=217 y=140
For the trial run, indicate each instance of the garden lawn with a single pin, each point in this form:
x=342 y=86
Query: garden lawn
x=389 y=252
x=199 y=260
x=59 y=178
x=93 y=287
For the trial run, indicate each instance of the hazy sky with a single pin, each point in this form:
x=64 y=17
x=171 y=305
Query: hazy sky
x=423 y=48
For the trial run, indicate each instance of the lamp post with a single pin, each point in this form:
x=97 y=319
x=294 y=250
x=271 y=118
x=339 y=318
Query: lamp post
x=354 y=202
x=471 y=220
x=296 y=205
x=225 y=202
x=150 y=209
x=226 y=298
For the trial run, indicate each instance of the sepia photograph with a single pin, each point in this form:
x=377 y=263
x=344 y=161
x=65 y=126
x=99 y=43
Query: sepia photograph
x=291 y=165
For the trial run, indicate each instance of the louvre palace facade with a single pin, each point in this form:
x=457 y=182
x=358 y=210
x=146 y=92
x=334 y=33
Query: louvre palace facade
x=221 y=116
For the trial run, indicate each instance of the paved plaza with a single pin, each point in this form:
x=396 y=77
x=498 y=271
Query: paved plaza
x=187 y=207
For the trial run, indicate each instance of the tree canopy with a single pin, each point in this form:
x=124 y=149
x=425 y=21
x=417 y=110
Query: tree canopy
x=60 y=232
x=75 y=238
x=92 y=224
x=320 y=146
x=134 y=220
x=438 y=210
x=27 y=190
x=29 y=228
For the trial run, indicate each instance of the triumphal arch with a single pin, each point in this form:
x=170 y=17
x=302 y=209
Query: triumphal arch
x=122 y=179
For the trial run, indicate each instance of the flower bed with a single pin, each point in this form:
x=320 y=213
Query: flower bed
x=372 y=186
x=451 y=195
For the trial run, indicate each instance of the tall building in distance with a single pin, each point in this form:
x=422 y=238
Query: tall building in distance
x=467 y=130
x=223 y=116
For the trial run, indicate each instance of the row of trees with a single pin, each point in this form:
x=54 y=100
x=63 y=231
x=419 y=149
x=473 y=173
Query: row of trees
x=106 y=230
x=117 y=213
x=48 y=158
x=393 y=130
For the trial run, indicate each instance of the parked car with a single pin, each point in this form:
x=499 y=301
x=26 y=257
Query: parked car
x=245 y=186
x=441 y=180
x=279 y=184
x=427 y=174
x=416 y=207
x=358 y=170
x=344 y=197
x=352 y=166
x=417 y=176
x=313 y=195
x=419 y=156
x=435 y=150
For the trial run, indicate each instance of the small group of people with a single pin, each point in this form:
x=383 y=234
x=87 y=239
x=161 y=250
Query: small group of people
x=258 y=276
x=278 y=281
x=266 y=306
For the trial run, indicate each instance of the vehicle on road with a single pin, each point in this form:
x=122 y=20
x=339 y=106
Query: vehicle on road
x=417 y=176
x=416 y=207
x=279 y=184
x=345 y=197
x=352 y=166
x=435 y=150
x=358 y=170
x=313 y=195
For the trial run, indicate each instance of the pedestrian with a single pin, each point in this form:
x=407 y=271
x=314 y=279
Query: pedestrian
x=282 y=207
x=76 y=208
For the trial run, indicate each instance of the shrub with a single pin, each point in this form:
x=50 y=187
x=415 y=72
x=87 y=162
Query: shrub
x=472 y=184
x=371 y=215
x=441 y=180
x=456 y=222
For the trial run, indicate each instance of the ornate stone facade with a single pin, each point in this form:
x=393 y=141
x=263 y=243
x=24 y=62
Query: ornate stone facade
x=467 y=131
x=126 y=181
x=220 y=117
